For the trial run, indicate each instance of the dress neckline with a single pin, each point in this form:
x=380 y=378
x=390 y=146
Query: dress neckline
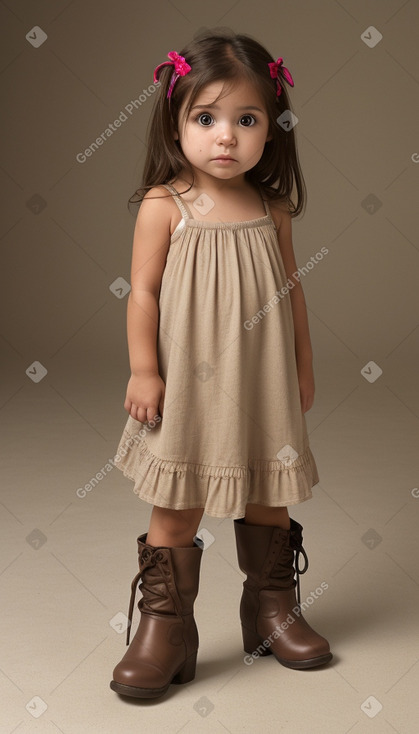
x=191 y=221
x=234 y=225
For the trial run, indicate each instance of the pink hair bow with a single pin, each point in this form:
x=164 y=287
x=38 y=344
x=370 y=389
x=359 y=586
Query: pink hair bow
x=274 y=67
x=181 y=68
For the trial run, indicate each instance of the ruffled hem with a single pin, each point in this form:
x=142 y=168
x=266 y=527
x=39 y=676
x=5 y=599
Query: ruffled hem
x=221 y=491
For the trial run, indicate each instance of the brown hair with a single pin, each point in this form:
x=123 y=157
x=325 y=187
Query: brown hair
x=221 y=55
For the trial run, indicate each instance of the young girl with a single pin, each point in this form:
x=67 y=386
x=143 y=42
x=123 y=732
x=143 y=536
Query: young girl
x=220 y=357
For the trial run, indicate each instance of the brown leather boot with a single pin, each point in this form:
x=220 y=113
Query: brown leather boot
x=271 y=618
x=165 y=646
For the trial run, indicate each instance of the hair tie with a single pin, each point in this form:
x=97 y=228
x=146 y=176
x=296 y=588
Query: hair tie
x=274 y=67
x=181 y=68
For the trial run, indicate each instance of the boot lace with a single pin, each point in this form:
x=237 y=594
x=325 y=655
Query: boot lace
x=296 y=544
x=149 y=558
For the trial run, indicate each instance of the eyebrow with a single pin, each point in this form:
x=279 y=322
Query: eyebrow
x=216 y=107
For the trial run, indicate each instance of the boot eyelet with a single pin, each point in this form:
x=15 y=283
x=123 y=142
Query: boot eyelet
x=159 y=556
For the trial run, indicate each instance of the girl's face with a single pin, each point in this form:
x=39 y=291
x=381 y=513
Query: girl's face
x=235 y=126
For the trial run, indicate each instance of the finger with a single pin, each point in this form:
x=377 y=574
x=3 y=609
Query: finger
x=138 y=413
x=151 y=413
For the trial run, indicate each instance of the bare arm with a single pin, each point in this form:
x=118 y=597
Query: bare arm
x=145 y=391
x=142 y=321
x=303 y=348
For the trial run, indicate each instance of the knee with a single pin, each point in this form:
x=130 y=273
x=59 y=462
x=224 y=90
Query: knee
x=179 y=523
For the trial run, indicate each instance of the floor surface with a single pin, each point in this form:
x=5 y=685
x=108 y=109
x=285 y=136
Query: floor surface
x=68 y=558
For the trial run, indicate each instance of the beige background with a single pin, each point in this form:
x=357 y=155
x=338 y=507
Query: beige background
x=66 y=235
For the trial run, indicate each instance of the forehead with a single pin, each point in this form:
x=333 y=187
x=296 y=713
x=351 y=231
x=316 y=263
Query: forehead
x=238 y=93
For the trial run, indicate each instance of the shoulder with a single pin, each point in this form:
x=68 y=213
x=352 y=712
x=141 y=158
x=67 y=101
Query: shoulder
x=280 y=214
x=157 y=206
x=157 y=196
x=155 y=213
x=283 y=224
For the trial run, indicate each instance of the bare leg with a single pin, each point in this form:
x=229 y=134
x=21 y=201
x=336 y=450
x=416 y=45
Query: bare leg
x=173 y=528
x=273 y=516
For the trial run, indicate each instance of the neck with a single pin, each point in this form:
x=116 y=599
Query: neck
x=207 y=183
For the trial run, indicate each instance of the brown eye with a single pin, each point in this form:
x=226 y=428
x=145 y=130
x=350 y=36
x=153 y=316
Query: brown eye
x=205 y=119
x=250 y=120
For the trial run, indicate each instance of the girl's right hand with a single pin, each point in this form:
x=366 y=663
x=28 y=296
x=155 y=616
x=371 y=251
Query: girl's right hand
x=145 y=397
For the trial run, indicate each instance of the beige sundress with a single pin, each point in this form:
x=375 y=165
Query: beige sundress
x=232 y=429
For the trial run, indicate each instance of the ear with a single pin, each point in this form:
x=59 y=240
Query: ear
x=269 y=137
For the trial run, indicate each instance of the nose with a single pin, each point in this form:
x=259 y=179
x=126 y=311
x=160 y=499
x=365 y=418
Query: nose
x=225 y=134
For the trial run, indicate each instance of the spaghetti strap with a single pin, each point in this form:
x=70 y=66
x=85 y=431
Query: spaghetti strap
x=185 y=211
x=267 y=207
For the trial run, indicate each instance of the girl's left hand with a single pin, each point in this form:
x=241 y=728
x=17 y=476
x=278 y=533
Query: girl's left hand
x=306 y=384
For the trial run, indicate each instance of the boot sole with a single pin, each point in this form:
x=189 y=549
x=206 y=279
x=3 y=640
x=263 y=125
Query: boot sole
x=137 y=692
x=296 y=664
x=185 y=674
x=305 y=664
x=252 y=642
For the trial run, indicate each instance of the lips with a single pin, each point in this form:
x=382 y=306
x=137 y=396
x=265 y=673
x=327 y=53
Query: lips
x=223 y=158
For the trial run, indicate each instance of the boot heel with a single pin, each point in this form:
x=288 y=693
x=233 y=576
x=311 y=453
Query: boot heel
x=187 y=672
x=252 y=641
